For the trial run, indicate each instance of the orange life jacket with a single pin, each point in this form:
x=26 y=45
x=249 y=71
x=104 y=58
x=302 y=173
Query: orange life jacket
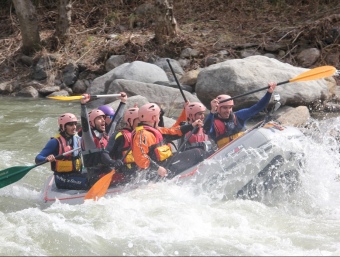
x=159 y=151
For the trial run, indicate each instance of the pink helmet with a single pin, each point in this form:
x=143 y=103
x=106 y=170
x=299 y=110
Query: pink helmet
x=130 y=115
x=94 y=114
x=193 y=108
x=227 y=103
x=66 y=118
x=146 y=112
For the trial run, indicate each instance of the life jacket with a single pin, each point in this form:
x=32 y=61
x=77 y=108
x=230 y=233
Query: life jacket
x=226 y=130
x=198 y=137
x=197 y=140
x=159 y=151
x=100 y=139
x=70 y=162
x=127 y=134
x=92 y=157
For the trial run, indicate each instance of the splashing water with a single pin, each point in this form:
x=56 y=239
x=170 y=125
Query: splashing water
x=168 y=218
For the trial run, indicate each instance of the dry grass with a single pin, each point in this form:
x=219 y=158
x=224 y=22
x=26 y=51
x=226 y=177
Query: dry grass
x=208 y=26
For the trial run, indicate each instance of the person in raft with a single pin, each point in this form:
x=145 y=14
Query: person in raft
x=223 y=125
x=68 y=169
x=150 y=149
x=113 y=118
x=120 y=145
x=94 y=141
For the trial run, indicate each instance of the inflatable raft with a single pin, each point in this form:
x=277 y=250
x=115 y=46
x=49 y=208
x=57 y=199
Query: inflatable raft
x=266 y=158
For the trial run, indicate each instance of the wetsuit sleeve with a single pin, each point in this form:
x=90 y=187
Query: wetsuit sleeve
x=247 y=113
x=87 y=138
x=208 y=125
x=116 y=119
x=106 y=159
x=50 y=148
x=173 y=133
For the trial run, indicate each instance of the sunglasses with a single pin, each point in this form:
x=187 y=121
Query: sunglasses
x=71 y=123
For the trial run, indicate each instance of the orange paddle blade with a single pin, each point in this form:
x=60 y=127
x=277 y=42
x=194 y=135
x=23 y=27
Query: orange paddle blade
x=316 y=73
x=100 y=187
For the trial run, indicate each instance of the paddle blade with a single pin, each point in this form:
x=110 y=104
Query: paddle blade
x=66 y=98
x=316 y=73
x=100 y=187
x=13 y=174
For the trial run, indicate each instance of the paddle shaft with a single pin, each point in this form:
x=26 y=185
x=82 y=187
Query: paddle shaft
x=57 y=157
x=179 y=86
x=78 y=97
x=13 y=174
x=253 y=91
x=313 y=74
x=103 y=96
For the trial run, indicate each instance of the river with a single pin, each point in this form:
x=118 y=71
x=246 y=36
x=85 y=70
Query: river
x=163 y=219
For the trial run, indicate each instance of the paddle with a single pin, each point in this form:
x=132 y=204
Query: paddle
x=78 y=97
x=179 y=86
x=182 y=145
x=13 y=174
x=313 y=74
x=182 y=116
x=99 y=189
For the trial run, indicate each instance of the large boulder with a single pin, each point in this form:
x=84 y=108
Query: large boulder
x=137 y=70
x=239 y=76
x=165 y=96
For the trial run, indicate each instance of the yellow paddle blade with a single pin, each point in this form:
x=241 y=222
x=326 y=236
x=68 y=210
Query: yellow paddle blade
x=316 y=73
x=66 y=98
x=100 y=187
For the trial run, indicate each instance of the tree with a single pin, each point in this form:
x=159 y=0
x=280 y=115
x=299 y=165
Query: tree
x=64 y=20
x=166 y=25
x=28 y=21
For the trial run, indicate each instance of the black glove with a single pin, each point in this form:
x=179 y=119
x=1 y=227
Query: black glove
x=117 y=164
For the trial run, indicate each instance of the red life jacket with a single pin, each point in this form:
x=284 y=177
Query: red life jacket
x=198 y=137
x=156 y=133
x=127 y=134
x=102 y=142
x=221 y=128
x=225 y=135
x=70 y=162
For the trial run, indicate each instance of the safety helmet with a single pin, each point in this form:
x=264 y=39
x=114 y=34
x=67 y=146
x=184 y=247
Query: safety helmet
x=227 y=103
x=193 y=108
x=107 y=110
x=130 y=115
x=94 y=114
x=66 y=118
x=146 y=112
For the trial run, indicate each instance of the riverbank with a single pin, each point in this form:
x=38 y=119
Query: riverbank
x=214 y=30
